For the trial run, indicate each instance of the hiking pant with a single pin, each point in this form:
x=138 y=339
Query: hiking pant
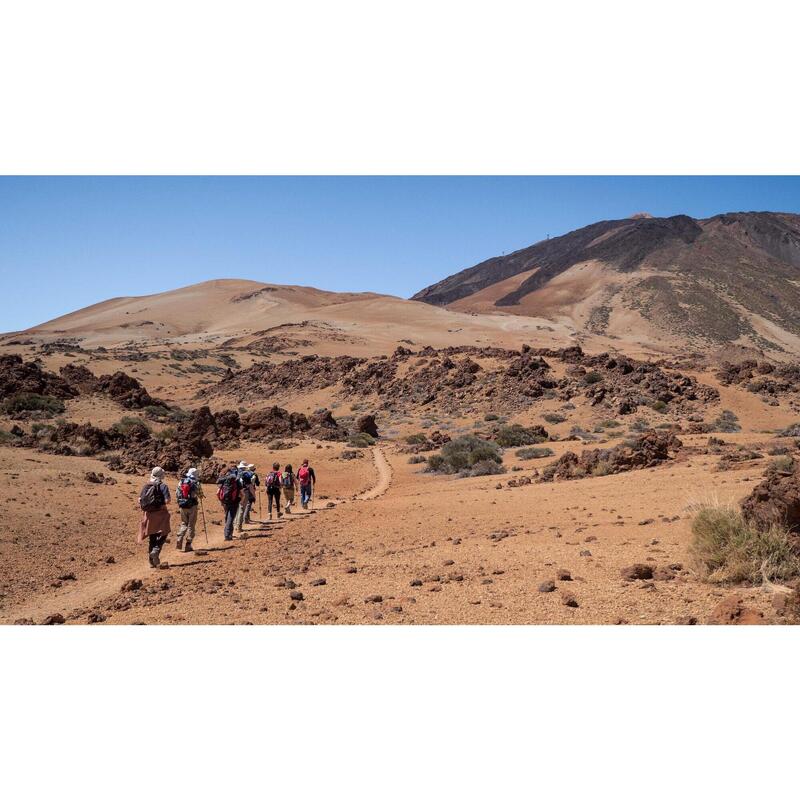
x=274 y=495
x=305 y=493
x=188 y=521
x=240 y=511
x=231 y=510
x=248 y=500
x=157 y=541
x=288 y=496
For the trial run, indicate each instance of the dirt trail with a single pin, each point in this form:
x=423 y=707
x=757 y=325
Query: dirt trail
x=384 y=476
x=86 y=594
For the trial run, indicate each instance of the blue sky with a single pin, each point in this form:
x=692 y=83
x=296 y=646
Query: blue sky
x=68 y=242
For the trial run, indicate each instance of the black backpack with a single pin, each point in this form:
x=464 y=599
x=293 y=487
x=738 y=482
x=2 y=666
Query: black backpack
x=151 y=497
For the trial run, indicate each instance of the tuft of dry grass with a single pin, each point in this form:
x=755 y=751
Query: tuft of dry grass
x=726 y=549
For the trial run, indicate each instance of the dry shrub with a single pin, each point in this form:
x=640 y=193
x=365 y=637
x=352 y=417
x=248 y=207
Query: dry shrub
x=726 y=549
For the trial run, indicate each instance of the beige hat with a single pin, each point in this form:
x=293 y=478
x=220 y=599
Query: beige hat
x=157 y=473
x=242 y=465
x=191 y=473
x=251 y=466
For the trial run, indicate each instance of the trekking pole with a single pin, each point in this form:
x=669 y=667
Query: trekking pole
x=203 y=514
x=260 y=512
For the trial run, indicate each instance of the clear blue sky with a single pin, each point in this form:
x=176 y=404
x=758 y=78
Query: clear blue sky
x=68 y=242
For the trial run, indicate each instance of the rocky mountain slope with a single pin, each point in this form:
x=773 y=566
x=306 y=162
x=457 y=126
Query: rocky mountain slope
x=675 y=282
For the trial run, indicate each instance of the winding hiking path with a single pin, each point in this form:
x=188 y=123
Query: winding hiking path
x=384 y=476
x=88 y=593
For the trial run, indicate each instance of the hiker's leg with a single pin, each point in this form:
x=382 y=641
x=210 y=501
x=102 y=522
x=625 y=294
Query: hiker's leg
x=239 y=517
x=183 y=527
x=269 y=503
x=191 y=522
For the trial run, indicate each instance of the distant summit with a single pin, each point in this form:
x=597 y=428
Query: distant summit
x=730 y=279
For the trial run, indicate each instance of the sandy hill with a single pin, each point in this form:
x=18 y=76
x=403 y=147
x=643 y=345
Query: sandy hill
x=242 y=313
x=670 y=283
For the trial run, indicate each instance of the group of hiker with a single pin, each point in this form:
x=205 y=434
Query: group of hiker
x=237 y=493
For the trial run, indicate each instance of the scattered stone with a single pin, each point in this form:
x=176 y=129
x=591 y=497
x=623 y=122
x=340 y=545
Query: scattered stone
x=296 y=595
x=53 y=619
x=732 y=611
x=547 y=586
x=637 y=572
x=133 y=585
x=416 y=582
x=648 y=521
x=319 y=582
x=95 y=617
x=569 y=600
x=564 y=575
x=374 y=598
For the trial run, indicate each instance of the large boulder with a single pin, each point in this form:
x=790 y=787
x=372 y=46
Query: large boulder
x=775 y=500
x=367 y=424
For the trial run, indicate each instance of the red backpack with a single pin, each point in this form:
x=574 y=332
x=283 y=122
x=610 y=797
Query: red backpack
x=303 y=475
x=228 y=491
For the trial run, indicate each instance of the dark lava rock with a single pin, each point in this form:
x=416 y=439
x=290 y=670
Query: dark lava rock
x=776 y=500
x=319 y=582
x=637 y=572
x=132 y=585
x=367 y=424
x=296 y=595
x=95 y=617
x=564 y=575
x=547 y=586
x=374 y=598
x=53 y=619
x=569 y=600
x=416 y=582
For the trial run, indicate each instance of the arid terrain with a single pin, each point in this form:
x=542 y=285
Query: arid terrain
x=606 y=447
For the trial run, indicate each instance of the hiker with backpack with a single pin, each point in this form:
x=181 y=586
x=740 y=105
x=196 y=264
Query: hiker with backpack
x=229 y=494
x=255 y=482
x=188 y=496
x=245 y=481
x=153 y=500
x=288 y=484
x=306 y=478
x=273 y=484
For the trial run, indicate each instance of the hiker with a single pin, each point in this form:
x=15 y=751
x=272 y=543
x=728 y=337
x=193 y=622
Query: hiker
x=306 y=478
x=245 y=479
x=251 y=496
x=229 y=494
x=188 y=495
x=273 y=484
x=288 y=484
x=153 y=500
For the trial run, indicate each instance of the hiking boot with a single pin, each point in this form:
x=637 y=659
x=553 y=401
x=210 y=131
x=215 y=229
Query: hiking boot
x=188 y=548
x=178 y=543
x=280 y=514
x=154 y=559
x=288 y=510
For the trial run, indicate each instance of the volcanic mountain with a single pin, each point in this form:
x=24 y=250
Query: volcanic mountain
x=671 y=282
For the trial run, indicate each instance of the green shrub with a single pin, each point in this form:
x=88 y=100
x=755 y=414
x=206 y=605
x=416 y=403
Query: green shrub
x=416 y=438
x=726 y=422
x=464 y=453
x=784 y=463
x=6 y=437
x=726 y=549
x=553 y=419
x=417 y=460
x=47 y=405
x=592 y=377
x=601 y=468
x=640 y=425
x=528 y=453
x=486 y=467
x=518 y=435
x=660 y=406
x=127 y=425
x=491 y=417
x=360 y=440
x=167 y=434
